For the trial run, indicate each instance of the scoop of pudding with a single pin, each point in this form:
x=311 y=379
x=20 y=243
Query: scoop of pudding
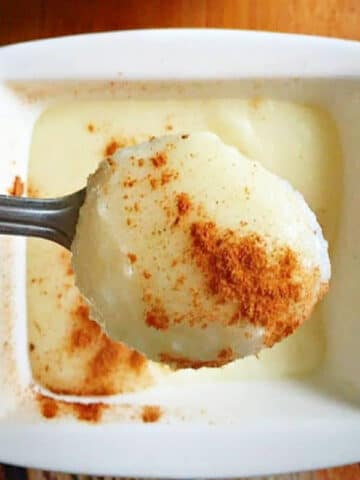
x=196 y=255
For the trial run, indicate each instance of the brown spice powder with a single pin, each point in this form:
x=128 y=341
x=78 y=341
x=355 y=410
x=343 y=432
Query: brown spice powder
x=91 y=412
x=49 y=407
x=168 y=175
x=132 y=257
x=159 y=160
x=150 y=413
x=116 y=143
x=157 y=317
x=183 y=203
x=129 y=182
x=261 y=285
x=224 y=356
x=17 y=188
x=81 y=339
x=111 y=148
x=153 y=182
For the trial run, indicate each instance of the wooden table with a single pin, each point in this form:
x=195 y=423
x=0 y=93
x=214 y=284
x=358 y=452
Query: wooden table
x=30 y=19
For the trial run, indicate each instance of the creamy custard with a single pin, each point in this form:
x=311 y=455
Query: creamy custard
x=195 y=255
x=68 y=352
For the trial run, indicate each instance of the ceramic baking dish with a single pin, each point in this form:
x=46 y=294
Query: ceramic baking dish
x=214 y=429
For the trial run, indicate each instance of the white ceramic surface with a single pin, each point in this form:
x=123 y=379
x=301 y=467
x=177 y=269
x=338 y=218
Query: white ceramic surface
x=229 y=429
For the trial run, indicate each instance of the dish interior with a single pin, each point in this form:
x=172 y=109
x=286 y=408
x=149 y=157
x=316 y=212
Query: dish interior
x=296 y=129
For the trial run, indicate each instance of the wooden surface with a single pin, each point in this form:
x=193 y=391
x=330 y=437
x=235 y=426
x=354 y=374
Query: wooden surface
x=340 y=473
x=30 y=19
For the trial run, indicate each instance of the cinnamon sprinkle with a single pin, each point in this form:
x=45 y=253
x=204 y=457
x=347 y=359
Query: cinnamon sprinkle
x=262 y=285
x=111 y=148
x=159 y=160
x=225 y=356
x=129 y=182
x=132 y=257
x=150 y=413
x=153 y=182
x=157 y=317
x=183 y=203
x=81 y=339
x=179 y=282
x=91 y=412
x=168 y=175
x=51 y=408
x=17 y=188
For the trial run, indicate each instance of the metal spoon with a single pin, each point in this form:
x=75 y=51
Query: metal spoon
x=54 y=219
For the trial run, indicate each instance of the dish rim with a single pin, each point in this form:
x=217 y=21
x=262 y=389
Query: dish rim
x=50 y=447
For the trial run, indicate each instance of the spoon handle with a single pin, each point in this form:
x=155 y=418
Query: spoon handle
x=53 y=219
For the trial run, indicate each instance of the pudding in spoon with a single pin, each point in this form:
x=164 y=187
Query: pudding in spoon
x=194 y=254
